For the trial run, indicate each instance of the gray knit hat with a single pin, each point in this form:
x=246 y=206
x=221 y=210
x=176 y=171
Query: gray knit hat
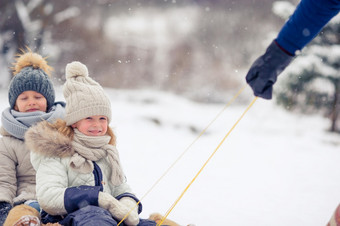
x=31 y=72
x=84 y=96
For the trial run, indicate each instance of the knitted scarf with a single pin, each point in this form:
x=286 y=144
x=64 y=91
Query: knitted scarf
x=94 y=148
x=17 y=123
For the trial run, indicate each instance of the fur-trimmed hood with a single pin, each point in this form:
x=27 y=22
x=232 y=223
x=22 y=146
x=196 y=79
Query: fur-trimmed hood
x=46 y=140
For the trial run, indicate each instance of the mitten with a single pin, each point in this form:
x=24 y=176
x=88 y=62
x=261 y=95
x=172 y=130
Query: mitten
x=119 y=208
x=22 y=215
x=263 y=73
x=131 y=204
x=5 y=207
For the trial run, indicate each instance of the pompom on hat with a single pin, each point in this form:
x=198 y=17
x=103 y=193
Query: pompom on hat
x=31 y=72
x=84 y=96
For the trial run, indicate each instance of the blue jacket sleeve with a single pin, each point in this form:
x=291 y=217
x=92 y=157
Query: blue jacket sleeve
x=81 y=196
x=306 y=22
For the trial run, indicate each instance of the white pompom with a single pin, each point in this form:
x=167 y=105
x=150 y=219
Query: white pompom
x=75 y=69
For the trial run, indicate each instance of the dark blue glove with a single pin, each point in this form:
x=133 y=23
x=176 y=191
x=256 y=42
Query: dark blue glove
x=263 y=73
x=5 y=207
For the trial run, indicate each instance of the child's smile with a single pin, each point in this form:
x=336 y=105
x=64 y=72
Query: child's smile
x=92 y=126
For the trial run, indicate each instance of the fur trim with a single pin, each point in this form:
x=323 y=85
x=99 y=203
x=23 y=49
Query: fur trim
x=48 y=141
x=27 y=59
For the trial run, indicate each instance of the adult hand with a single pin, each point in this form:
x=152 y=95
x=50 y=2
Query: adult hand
x=263 y=73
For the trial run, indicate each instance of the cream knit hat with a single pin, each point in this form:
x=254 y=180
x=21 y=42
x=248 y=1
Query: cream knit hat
x=84 y=96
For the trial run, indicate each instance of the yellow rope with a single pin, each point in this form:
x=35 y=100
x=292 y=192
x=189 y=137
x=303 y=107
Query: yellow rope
x=204 y=165
x=185 y=151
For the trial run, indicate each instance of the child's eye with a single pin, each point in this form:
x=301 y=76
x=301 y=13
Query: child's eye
x=38 y=96
x=103 y=118
x=89 y=118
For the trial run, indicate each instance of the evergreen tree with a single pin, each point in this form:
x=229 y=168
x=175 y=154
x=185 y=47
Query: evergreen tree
x=312 y=82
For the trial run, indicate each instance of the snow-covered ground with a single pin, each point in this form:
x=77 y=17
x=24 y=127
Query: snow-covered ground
x=275 y=168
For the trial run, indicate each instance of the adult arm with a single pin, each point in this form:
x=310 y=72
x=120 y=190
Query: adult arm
x=305 y=23
x=309 y=17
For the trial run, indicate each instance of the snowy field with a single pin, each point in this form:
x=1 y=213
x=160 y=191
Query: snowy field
x=275 y=168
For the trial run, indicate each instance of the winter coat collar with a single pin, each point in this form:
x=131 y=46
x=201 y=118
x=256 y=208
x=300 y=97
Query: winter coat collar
x=48 y=141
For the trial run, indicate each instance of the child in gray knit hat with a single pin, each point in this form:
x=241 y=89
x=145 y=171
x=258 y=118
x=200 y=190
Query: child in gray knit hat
x=32 y=99
x=80 y=180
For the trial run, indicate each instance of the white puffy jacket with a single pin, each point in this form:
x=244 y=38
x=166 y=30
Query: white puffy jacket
x=51 y=152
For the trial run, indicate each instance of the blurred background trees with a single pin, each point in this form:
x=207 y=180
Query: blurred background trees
x=311 y=84
x=197 y=48
x=200 y=49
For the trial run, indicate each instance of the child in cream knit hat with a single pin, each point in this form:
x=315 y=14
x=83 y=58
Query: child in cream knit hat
x=80 y=180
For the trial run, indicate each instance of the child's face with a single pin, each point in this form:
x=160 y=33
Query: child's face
x=92 y=126
x=30 y=101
